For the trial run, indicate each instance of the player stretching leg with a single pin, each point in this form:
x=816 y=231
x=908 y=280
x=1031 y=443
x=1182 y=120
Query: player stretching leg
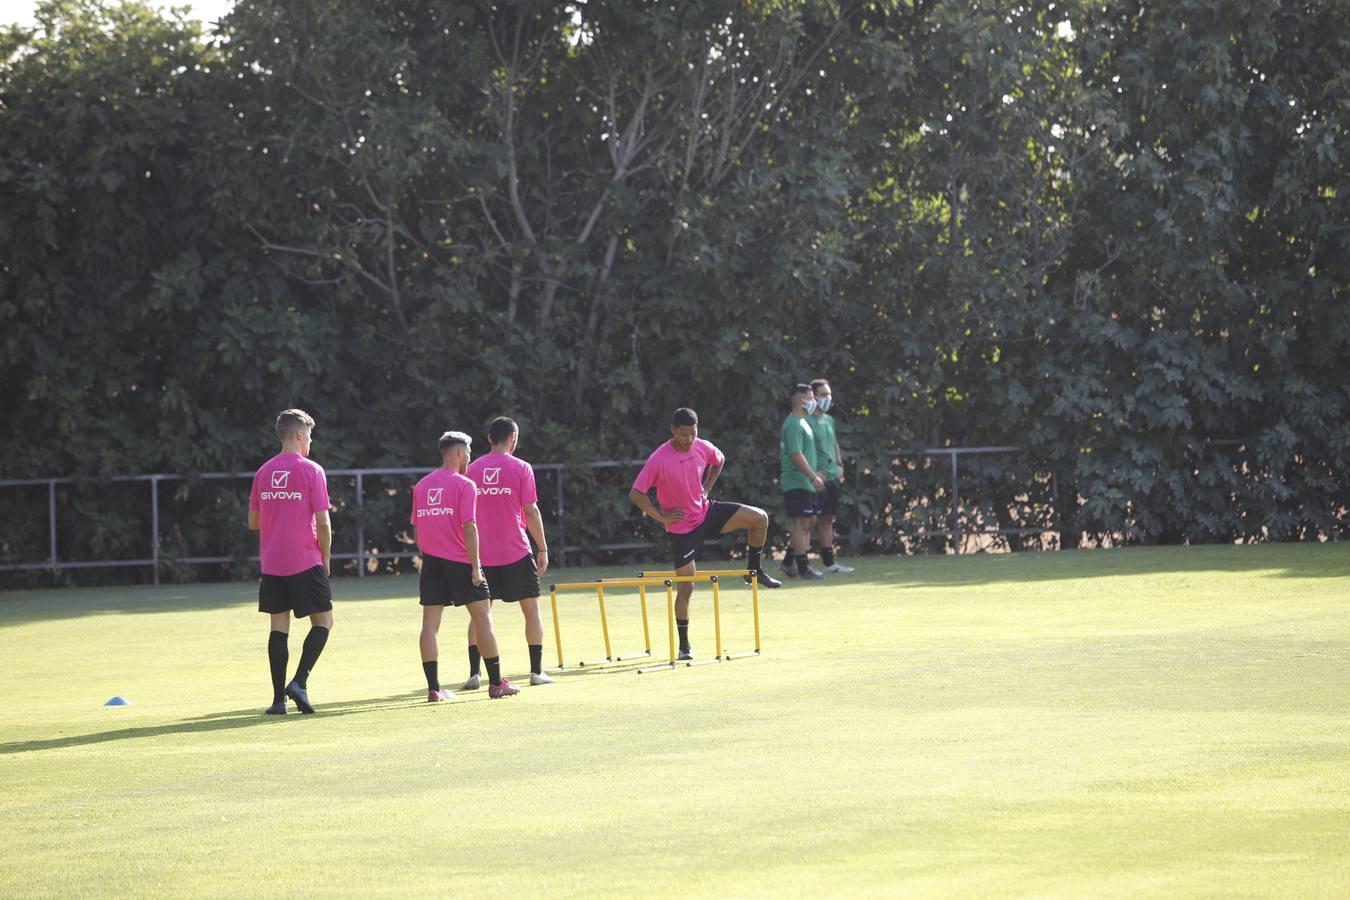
x=831 y=462
x=683 y=470
x=288 y=507
x=444 y=513
x=799 y=479
x=507 y=508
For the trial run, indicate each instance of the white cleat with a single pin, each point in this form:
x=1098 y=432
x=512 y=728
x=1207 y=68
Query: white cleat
x=538 y=678
x=840 y=568
x=473 y=684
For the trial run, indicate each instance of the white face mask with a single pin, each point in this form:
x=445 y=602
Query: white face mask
x=810 y=406
x=823 y=403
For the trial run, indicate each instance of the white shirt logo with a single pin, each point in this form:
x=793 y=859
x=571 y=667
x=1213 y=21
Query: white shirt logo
x=434 y=496
x=280 y=479
x=492 y=476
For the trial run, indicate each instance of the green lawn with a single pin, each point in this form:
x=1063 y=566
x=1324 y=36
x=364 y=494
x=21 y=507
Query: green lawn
x=1112 y=723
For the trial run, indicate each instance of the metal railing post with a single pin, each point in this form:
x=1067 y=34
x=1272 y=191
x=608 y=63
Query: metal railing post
x=956 y=505
x=562 y=528
x=154 y=524
x=360 y=526
x=51 y=522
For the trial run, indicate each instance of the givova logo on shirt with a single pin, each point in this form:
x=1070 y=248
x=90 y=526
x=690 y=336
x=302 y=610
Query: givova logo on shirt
x=281 y=479
x=491 y=487
x=434 y=498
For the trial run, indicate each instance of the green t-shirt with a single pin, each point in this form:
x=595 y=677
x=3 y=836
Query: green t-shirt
x=796 y=438
x=822 y=426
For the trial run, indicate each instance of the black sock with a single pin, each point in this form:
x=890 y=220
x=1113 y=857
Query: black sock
x=683 y=626
x=433 y=679
x=753 y=562
x=278 y=654
x=787 y=558
x=494 y=667
x=802 y=565
x=309 y=654
x=474 y=657
x=827 y=555
x=537 y=659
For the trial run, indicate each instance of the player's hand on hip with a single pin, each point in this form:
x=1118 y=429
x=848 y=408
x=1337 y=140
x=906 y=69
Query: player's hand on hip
x=541 y=562
x=672 y=515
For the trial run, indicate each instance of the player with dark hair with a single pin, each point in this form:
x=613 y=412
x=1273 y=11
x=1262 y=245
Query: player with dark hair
x=799 y=479
x=831 y=462
x=508 y=516
x=288 y=507
x=683 y=470
x=444 y=516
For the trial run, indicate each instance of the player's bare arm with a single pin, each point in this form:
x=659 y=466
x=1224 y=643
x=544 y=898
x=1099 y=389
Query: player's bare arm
x=254 y=522
x=799 y=460
x=644 y=503
x=471 y=548
x=323 y=528
x=534 y=524
x=709 y=479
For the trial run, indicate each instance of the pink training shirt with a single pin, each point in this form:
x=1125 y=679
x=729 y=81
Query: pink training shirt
x=505 y=488
x=287 y=491
x=678 y=478
x=442 y=503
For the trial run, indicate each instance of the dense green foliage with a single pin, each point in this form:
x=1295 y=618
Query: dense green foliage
x=1112 y=234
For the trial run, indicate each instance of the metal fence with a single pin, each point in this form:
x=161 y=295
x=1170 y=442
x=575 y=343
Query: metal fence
x=361 y=553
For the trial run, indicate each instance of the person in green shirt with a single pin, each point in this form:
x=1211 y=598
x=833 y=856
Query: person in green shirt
x=830 y=461
x=799 y=479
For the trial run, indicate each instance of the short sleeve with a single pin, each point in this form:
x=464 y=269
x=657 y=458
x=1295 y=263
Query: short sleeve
x=647 y=477
x=468 y=502
x=792 y=440
x=319 y=494
x=528 y=492
x=253 y=493
x=713 y=456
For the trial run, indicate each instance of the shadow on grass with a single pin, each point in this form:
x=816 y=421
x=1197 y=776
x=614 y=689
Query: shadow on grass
x=228 y=721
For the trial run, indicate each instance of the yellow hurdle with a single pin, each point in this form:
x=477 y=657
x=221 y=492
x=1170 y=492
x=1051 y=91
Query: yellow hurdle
x=714 y=575
x=599 y=588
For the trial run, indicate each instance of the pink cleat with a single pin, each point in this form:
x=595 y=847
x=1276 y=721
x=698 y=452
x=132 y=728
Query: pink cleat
x=504 y=689
x=438 y=696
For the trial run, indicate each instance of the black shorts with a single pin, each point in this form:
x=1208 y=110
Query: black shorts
x=687 y=548
x=302 y=593
x=800 y=503
x=514 y=582
x=827 y=501
x=445 y=582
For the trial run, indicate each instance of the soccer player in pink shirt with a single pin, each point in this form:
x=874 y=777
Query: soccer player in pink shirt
x=288 y=507
x=444 y=516
x=683 y=470
x=508 y=516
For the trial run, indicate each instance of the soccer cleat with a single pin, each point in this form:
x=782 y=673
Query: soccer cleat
x=276 y=709
x=840 y=568
x=788 y=570
x=686 y=653
x=300 y=696
x=473 y=683
x=538 y=678
x=504 y=688
x=810 y=575
x=438 y=696
x=765 y=579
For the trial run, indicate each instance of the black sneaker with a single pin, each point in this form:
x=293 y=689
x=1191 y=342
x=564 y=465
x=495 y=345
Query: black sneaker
x=788 y=570
x=300 y=696
x=765 y=579
x=686 y=653
x=276 y=709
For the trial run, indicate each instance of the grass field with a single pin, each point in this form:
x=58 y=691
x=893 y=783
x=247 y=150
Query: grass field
x=1112 y=723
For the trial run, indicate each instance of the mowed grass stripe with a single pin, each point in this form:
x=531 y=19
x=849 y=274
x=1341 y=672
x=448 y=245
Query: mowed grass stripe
x=1158 y=721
